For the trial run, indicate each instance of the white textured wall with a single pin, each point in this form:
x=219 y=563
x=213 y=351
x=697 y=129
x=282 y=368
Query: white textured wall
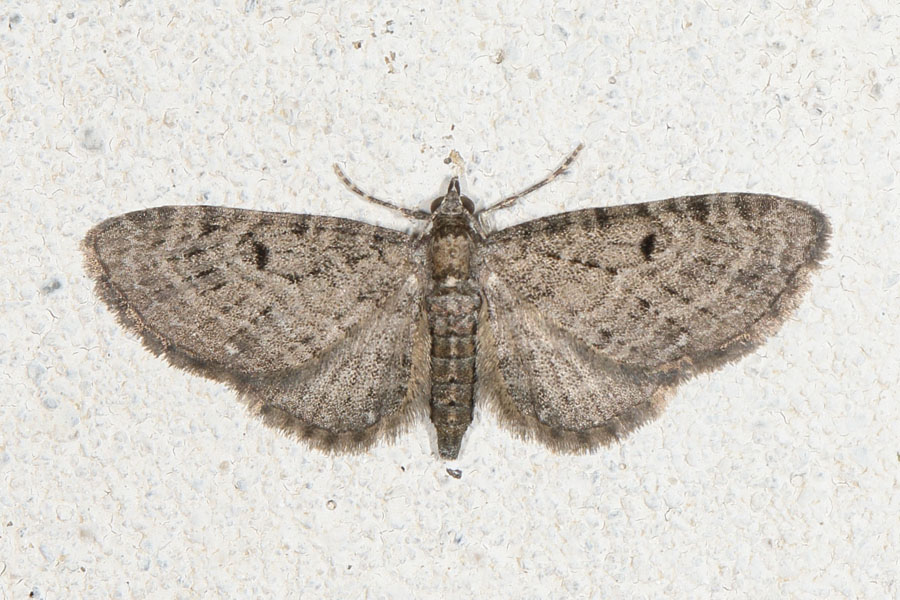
x=122 y=477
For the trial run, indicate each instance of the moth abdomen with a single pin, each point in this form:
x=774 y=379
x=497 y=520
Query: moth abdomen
x=453 y=370
x=452 y=317
x=448 y=346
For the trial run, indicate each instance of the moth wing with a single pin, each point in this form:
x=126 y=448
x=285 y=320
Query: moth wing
x=642 y=296
x=316 y=321
x=545 y=383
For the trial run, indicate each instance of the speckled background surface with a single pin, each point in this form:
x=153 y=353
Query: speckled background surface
x=121 y=477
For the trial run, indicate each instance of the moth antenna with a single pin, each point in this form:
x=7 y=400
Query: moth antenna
x=406 y=212
x=510 y=200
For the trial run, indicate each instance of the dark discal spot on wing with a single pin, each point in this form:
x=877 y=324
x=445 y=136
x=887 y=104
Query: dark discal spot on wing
x=647 y=246
x=261 y=255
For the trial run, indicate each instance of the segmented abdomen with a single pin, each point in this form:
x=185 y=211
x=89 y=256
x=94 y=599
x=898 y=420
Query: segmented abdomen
x=453 y=321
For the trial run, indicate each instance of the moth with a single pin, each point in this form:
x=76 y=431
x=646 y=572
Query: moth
x=573 y=329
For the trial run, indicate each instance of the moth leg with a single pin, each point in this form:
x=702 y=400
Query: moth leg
x=509 y=201
x=419 y=215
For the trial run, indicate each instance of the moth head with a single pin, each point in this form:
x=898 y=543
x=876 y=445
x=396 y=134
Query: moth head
x=452 y=203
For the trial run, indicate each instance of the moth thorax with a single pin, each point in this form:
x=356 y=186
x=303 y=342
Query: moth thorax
x=451 y=250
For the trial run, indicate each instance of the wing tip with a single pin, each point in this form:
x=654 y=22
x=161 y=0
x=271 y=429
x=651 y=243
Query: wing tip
x=784 y=305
